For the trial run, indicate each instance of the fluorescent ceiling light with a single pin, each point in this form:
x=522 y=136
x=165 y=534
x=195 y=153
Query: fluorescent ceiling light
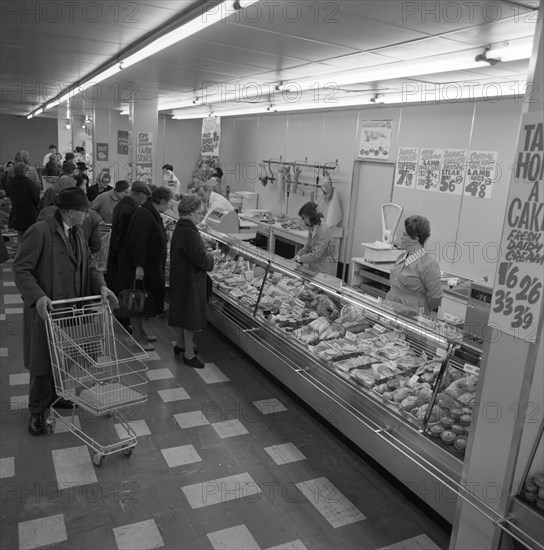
x=99 y=78
x=204 y=19
x=200 y=22
x=451 y=92
x=457 y=61
x=52 y=104
x=28 y=117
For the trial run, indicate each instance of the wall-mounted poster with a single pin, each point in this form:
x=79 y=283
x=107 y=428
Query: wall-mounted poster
x=144 y=157
x=454 y=166
x=211 y=134
x=122 y=142
x=428 y=174
x=102 y=152
x=481 y=173
x=405 y=174
x=375 y=139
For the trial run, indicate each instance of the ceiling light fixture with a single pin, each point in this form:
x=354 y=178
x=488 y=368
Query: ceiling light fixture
x=455 y=61
x=483 y=57
x=68 y=125
x=378 y=98
x=201 y=20
x=52 y=104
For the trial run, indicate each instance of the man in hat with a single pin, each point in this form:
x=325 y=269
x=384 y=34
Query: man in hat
x=106 y=202
x=52 y=263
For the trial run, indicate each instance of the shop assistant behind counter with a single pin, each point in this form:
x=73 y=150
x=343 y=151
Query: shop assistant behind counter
x=415 y=278
x=318 y=252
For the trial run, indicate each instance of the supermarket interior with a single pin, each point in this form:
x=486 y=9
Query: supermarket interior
x=344 y=205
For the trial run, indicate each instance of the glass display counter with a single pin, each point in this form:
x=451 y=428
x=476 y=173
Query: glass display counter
x=402 y=389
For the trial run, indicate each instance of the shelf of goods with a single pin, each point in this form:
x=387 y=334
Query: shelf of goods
x=401 y=391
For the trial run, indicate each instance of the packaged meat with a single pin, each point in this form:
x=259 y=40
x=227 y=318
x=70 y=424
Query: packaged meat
x=364 y=377
x=383 y=370
x=409 y=403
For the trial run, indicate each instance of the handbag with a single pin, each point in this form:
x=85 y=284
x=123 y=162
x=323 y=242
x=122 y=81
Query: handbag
x=136 y=303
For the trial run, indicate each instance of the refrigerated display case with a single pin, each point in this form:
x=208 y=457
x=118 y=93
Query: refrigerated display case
x=401 y=389
x=525 y=520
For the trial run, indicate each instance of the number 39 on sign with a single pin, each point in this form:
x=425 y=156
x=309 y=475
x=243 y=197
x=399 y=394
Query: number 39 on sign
x=517 y=296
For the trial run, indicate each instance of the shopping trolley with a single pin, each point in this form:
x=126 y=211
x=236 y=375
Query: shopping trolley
x=101 y=258
x=97 y=365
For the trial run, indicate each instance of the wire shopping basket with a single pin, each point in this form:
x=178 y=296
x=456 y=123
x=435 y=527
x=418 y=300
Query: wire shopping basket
x=97 y=365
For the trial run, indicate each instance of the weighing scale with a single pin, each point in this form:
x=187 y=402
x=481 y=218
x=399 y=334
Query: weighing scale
x=228 y=222
x=383 y=251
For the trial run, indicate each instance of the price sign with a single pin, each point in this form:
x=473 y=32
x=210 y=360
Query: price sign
x=471 y=369
x=517 y=297
x=481 y=173
x=413 y=380
x=379 y=328
x=517 y=294
x=297 y=311
x=350 y=336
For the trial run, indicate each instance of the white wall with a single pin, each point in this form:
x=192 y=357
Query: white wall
x=326 y=136
x=179 y=145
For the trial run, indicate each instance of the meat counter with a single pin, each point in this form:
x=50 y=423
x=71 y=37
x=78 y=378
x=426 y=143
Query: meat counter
x=401 y=389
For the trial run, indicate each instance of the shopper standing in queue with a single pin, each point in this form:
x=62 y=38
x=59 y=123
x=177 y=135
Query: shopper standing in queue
x=122 y=216
x=143 y=257
x=189 y=264
x=415 y=279
x=106 y=202
x=52 y=263
x=24 y=196
x=102 y=185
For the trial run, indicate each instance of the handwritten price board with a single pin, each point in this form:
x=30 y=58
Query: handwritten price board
x=481 y=173
x=517 y=298
x=428 y=176
x=452 y=177
x=144 y=157
x=518 y=294
x=405 y=175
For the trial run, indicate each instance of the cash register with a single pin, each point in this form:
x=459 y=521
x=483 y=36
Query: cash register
x=228 y=222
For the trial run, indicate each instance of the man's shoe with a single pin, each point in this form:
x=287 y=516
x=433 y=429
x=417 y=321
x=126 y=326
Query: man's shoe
x=194 y=362
x=36 y=425
x=149 y=338
x=63 y=404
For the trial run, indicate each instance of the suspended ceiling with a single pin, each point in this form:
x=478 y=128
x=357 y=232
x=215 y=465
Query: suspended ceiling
x=45 y=50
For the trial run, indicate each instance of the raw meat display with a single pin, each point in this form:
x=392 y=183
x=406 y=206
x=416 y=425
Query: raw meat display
x=377 y=360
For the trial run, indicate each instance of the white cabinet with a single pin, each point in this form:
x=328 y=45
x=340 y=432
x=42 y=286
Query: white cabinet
x=370 y=278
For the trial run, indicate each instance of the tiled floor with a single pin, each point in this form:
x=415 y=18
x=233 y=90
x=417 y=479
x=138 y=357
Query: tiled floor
x=225 y=460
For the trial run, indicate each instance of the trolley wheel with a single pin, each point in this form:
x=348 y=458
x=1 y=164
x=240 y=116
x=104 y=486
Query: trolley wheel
x=50 y=425
x=98 y=458
x=127 y=451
